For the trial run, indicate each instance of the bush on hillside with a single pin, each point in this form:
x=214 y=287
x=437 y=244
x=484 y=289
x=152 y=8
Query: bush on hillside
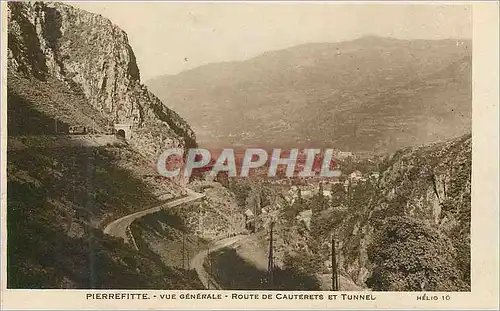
x=408 y=255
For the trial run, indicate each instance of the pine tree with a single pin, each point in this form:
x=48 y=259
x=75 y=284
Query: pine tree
x=318 y=201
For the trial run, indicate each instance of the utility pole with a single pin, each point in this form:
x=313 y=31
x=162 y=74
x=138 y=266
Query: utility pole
x=270 y=263
x=74 y=182
x=335 y=276
x=337 y=273
x=256 y=208
x=183 y=250
x=210 y=270
x=211 y=267
x=187 y=253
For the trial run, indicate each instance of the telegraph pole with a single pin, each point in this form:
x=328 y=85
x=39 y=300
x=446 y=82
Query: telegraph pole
x=210 y=263
x=256 y=208
x=270 y=263
x=335 y=277
x=183 y=250
x=211 y=268
x=187 y=254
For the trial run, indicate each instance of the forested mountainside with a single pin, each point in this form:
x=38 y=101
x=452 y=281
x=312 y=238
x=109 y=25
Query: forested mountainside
x=371 y=94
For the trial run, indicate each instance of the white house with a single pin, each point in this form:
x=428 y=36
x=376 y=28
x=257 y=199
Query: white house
x=355 y=176
x=375 y=175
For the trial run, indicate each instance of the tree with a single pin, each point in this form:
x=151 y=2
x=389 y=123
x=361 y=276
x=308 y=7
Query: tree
x=409 y=255
x=338 y=194
x=319 y=202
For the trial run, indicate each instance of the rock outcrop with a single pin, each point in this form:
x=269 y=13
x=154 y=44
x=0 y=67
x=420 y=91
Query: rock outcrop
x=90 y=55
x=413 y=231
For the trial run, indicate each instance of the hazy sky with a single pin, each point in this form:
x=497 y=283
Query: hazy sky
x=171 y=37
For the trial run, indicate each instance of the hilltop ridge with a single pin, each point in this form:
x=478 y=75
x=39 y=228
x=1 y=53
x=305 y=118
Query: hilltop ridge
x=370 y=94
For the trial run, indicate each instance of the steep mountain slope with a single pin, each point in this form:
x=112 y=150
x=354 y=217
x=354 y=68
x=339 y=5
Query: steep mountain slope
x=59 y=46
x=69 y=67
x=407 y=230
x=410 y=231
x=367 y=94
x=58 y=200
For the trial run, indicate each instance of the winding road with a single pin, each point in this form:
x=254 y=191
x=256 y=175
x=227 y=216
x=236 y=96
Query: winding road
x=198 y=260
x=120 y=226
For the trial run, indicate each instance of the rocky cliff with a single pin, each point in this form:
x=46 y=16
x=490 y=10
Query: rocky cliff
x=69 y=67
x=411 y=230
x=86 y=54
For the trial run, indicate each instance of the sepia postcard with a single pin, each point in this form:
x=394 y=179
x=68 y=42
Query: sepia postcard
x=249 y=155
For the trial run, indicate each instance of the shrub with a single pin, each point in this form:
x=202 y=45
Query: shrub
x=408 y=255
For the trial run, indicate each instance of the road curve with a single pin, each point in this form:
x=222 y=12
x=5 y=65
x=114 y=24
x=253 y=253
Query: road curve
x=198 y=260
x=120 y=226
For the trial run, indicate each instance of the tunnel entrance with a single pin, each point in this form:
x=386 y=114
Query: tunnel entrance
x=120 y=134
x=123 y=131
